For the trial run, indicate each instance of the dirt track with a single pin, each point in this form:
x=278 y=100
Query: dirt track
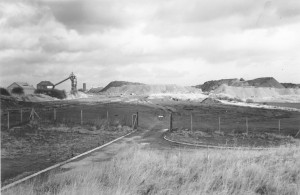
x=153 y=138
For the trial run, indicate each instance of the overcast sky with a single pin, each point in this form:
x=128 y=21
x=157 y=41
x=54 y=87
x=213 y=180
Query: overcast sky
x=185 y=42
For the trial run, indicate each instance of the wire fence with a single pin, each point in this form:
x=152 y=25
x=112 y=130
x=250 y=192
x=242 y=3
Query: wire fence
x=69 y=115
x=202 y=122
x=146 y=117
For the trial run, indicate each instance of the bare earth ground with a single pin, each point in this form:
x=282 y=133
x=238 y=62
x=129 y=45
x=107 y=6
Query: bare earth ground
x=35 y=146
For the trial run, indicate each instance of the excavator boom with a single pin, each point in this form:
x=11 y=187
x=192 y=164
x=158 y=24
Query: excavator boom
x=60 y=82
x=73 y=79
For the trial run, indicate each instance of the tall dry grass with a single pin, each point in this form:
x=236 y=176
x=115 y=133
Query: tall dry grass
x=140 y=171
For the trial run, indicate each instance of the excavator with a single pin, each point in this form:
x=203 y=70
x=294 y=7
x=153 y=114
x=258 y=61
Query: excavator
x=73 y=79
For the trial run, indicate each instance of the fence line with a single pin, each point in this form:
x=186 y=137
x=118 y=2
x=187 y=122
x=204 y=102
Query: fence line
x=116 y=116
x=198 y=122
x=77 y=115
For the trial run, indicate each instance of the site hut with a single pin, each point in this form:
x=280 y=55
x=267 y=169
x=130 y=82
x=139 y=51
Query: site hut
x=45 y=85
x=28 y=89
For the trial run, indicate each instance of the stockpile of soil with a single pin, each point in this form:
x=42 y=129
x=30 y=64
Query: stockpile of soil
x=265 y=82
x=95 y=90
x=259 y=82
x=151 y=89
x=260 y=93
x=210 y=101
x=114 y=84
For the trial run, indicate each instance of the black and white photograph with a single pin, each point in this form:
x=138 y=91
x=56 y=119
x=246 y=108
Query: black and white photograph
x=150 y=97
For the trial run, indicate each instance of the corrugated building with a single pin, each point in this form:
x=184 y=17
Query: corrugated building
x=28 y=89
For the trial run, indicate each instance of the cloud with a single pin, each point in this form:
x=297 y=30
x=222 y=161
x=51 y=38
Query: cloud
x=171 y=41
x=90 y=15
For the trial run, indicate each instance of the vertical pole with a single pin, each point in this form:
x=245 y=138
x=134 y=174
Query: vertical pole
x=199 y=123
x=132 y=122
x=171 y=122
x=279 y=125
x=21 y=115
x=247 y=125
x=137 y=119
x=107 y=116
x=81 y=117
x=192 y=122
x=54 y=112
x=219 y=124
x=8 y=120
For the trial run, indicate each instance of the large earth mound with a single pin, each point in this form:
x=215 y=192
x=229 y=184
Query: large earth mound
x=259 y=82
x=212 y=85
x=118 y=84
x=151 y=89
x=260 y=94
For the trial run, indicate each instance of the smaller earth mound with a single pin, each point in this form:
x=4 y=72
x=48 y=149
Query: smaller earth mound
x=95 y=90
x=211 y=85
x=118 y=84
x=290 y=85
x=265 y=82
x=210 y=101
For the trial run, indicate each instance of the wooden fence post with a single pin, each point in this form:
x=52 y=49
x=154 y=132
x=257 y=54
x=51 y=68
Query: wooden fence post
x=247 y=125
x=279 y=125
x=171 y=122
x=81 y=121
x=21 y=115
x=219 y=124
x=8 y=120
x=137 y=119
x=54 y=112
x=192 y=122
x=132 y=122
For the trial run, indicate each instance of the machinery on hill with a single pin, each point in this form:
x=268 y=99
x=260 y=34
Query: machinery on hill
x=73 y=79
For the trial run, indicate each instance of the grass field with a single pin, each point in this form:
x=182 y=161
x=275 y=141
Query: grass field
x=29 y=150
x=140 y=171
x=253 y=140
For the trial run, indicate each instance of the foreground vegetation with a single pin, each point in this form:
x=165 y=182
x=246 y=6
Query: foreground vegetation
x=49 y=144
x=140 y=171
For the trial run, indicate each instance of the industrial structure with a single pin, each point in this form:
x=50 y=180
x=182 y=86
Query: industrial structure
x=73 y=79
x=28 y=89
x=84 y=87
x=44 y=85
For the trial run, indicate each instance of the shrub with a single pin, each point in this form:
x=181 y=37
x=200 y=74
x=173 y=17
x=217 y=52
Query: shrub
x=60 y=94
x=4 y=91
x=249 y=101
x=18 y=90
